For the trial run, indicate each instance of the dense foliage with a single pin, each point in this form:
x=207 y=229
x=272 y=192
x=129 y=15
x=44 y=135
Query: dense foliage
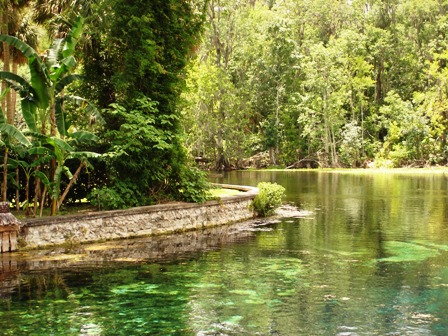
x=142 y=51
x=132 y=57
x=341 y=83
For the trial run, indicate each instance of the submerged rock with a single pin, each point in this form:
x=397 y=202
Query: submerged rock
x=292 y=211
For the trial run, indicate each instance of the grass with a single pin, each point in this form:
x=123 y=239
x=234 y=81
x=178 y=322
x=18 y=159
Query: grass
x=221 y=192
x=68 y=209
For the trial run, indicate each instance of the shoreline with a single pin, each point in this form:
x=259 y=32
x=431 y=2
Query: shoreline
x=142 y=221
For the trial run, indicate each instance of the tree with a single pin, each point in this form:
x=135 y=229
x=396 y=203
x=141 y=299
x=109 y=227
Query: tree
x=137 y=65
x=213 y=114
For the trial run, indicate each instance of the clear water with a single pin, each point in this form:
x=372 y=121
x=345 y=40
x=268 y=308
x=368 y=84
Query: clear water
x=371 y=260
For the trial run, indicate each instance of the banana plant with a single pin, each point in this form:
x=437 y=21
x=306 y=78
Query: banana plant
x=42 y=100
x=62 y=151
x=48 y=78
x=30 y=169
x=9 y=135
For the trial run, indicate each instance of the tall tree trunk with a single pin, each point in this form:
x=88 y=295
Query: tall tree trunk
x=221 y=159
x=274 y=150
x=29 y=210
x=7 y=66
x=18 y=189
x=54 y=201
x=379 y=83
x=37 y=193
x=5 y=176
x=42 y=202
x=326 y=127
x=7 y=103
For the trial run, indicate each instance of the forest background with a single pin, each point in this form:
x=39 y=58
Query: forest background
x=119 y=96
x=342 y=83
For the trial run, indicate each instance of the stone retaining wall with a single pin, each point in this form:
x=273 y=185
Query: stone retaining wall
x=141 y=221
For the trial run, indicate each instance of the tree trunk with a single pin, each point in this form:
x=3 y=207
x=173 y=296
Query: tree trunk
x=54 y=207
x=7 y=67
x=272 y=156
x=42 y=201
x=54 y=201
x=5 y=176
x=334 y=154
x=326 y=126
x=378 y=83
x=37 y=192
x=29 y=211
x=273 y=152
x=71 y=183
x=7 y=102
x=18 y=189
x=221 y=160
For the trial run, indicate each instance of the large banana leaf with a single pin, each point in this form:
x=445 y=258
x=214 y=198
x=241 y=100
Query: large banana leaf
x=62 y=68
x=57 y=181
x=39 y=150
x=59 y=144
x=28 y=94
x=72 y=38
x=43 y=178
x=64 y=82
x=29 y=114
x=83 y=136
x=61 y=121
x=13 y=132
x=60 y=56
x=53 y=53
x=40 y=78
x=18 y=84
x=13 y=164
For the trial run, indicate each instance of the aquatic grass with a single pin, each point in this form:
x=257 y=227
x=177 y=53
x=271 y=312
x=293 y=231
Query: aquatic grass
x=407 y=252
x=431 y=245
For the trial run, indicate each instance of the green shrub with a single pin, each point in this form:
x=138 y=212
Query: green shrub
x=268 y=199
x=192 y=185
x=121 y=195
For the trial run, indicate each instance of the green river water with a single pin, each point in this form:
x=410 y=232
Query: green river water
x=370 y=259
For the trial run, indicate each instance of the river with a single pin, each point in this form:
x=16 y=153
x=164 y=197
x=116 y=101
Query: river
x=371 y=258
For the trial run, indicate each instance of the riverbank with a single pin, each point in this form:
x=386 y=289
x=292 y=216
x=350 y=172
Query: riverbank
x=442 y=170
x=136 y=222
